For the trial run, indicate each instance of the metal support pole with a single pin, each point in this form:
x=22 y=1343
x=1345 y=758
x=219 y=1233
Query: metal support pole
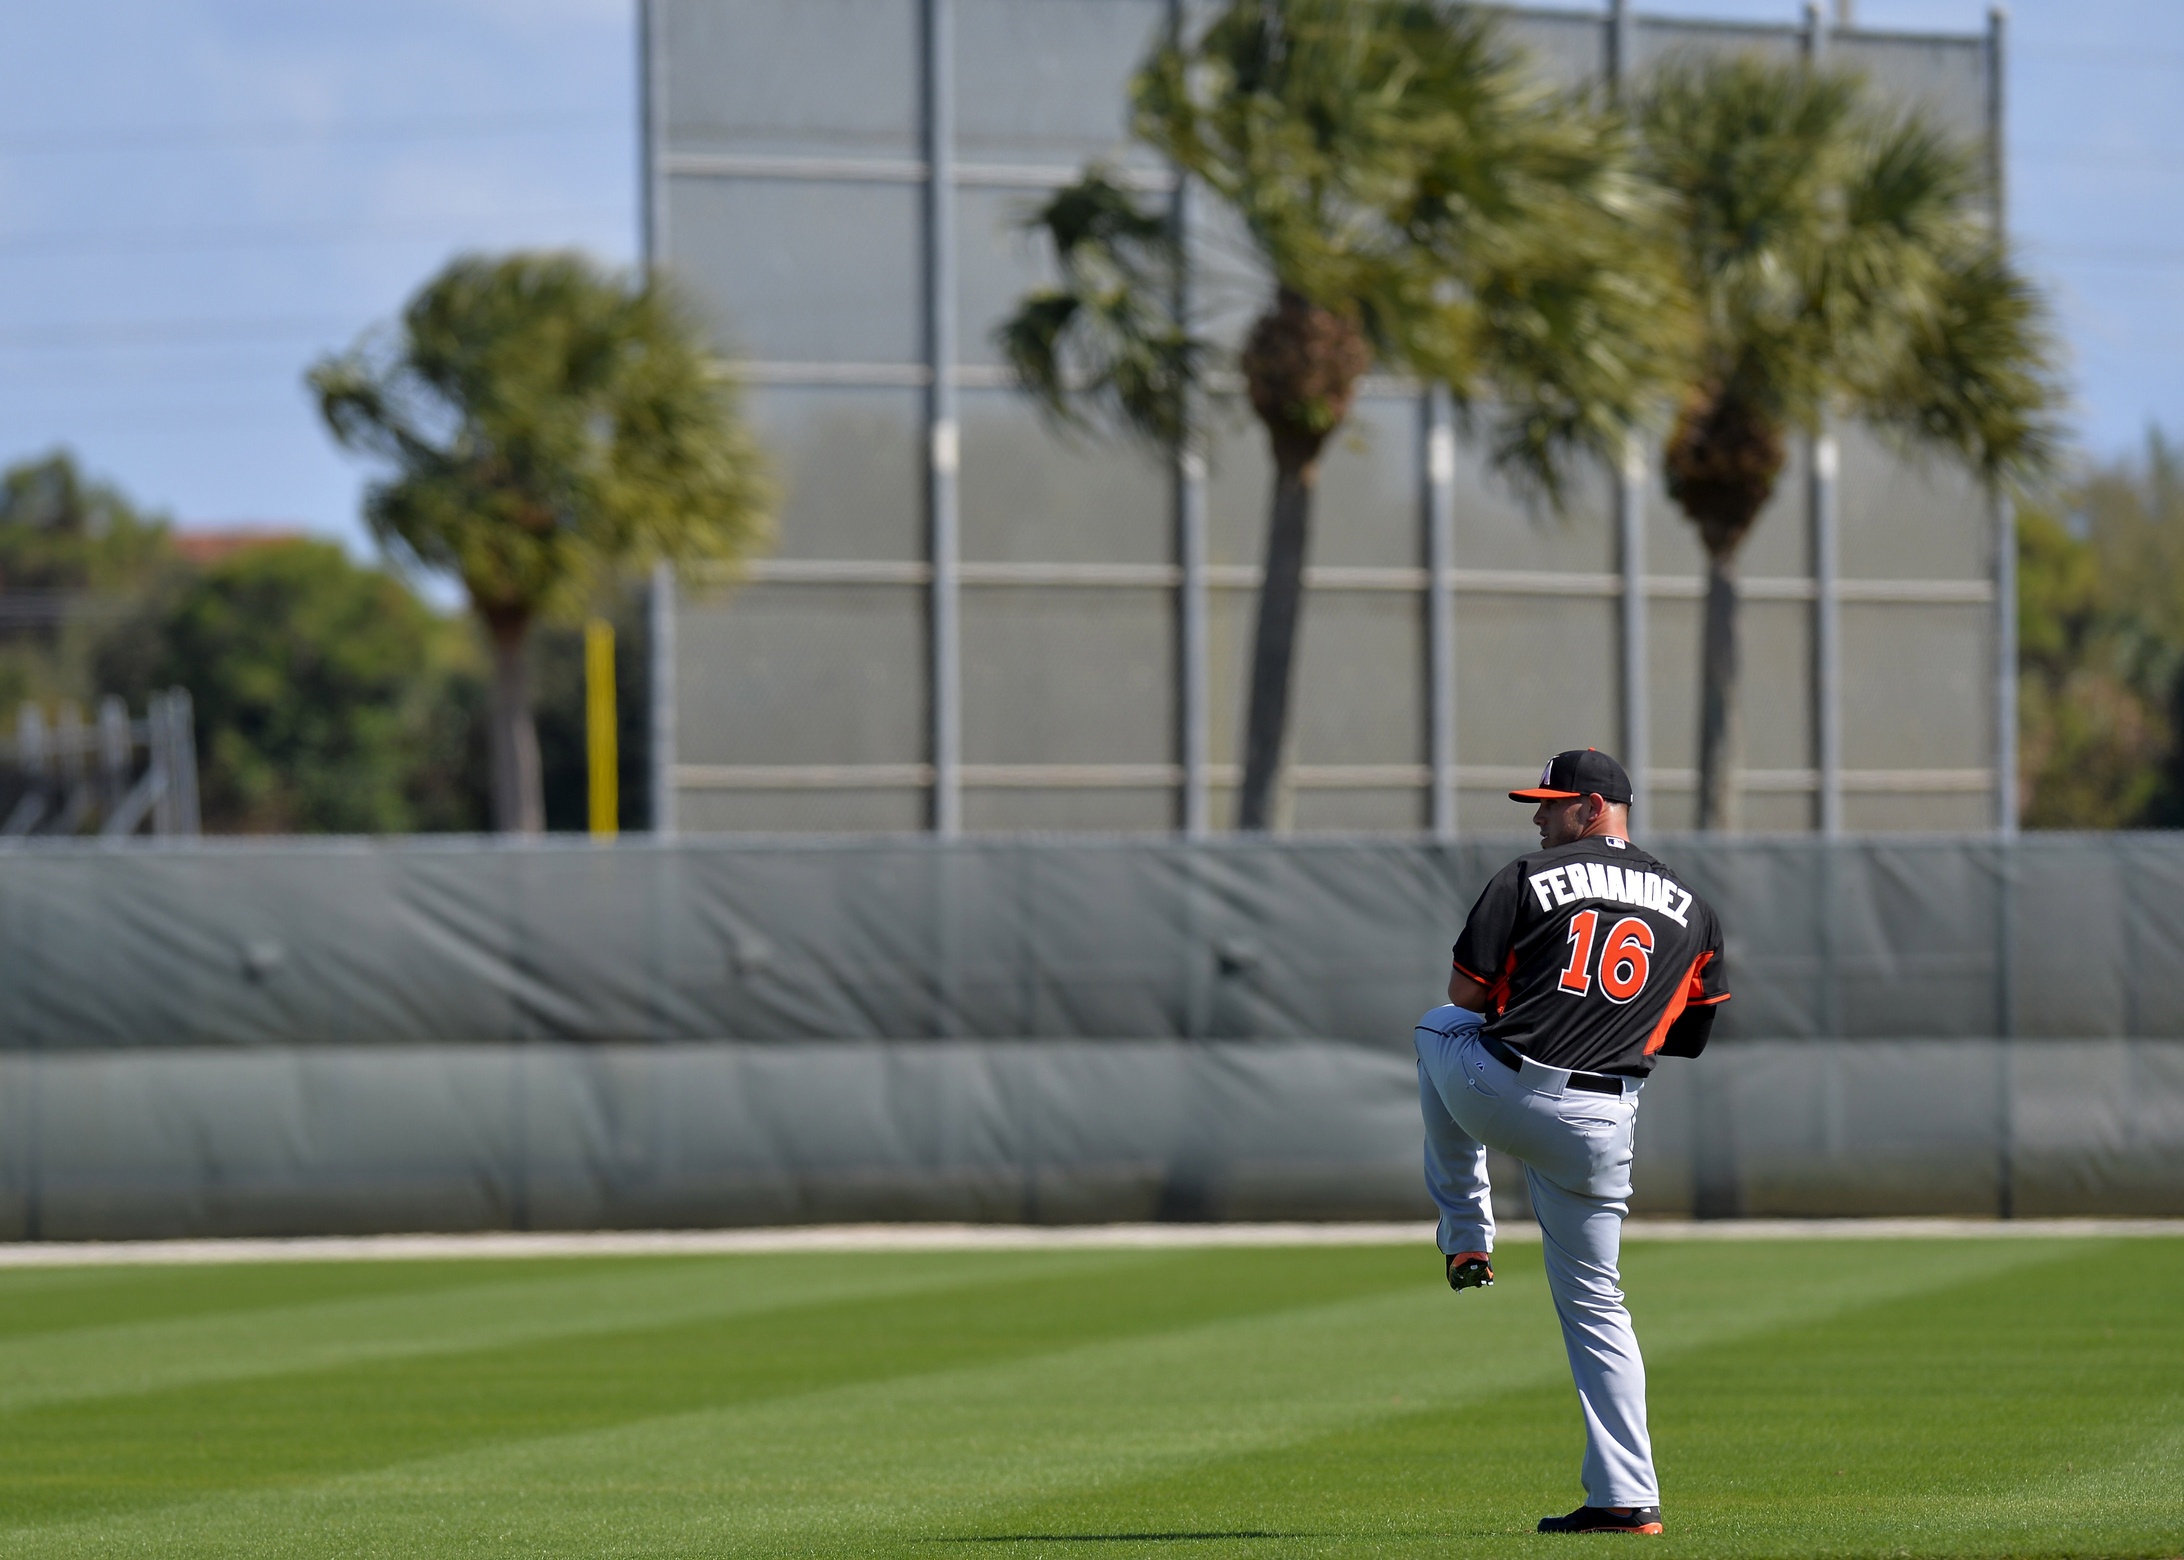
x=2005 y=665
x=1630 y=537
x=2005 y=510
x=1193 y=674
x=602 y=753
x=159 y=739
x=2005 y=698
x=652 y=240
x=943 y=435
x=1823 y=466
x=1440 y=506
x=1193 y=702
x=182 y=762
x=113 y=752
x=1620 y=60
x=661 y=633
x=651 y=106
x=1630 y=508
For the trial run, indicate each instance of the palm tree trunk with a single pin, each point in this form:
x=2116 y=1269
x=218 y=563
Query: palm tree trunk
x=519 y=792
x=1718 y=745
x=1274 y=647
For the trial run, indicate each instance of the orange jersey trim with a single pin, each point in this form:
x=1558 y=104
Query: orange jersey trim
x=1497 y=996
x=1686 y=990
x=1458 y=966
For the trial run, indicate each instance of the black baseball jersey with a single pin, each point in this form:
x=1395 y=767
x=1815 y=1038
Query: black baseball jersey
x=1595 y=958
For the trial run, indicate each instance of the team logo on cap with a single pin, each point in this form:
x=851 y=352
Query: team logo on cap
x=1546 y=772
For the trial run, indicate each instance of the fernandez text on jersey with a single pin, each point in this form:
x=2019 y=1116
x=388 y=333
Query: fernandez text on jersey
x=1594 y=957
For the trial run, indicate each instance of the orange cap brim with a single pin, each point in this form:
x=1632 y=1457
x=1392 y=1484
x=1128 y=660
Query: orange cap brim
x=1542 y=794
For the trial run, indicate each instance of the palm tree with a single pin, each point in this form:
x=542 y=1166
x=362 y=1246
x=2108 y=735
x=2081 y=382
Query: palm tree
x=551 y=426
x=1840 y=260
x=1412 y=198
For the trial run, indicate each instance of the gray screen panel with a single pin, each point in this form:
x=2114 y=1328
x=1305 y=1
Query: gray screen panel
x=1916 y=520
x=851 y=464
x=1064 y=676
x=997 y=263
x=1868 y=812
x=1516 y=697
x=1658 y=41
x=794 y=272
x=1915 y=686
x=1239 y=483
x=1031 y=494
x=1672 y=809
x=1570 y=51
x=802 y=674
x=801 y=810
x=1360 y=679
x=1230 y=617
x=1496 y=528
x=1672 y=685
x=1347 y=809
x=816 y=78
x=1048 y=81
x=1775 y=680
x=1104 y=810
x=1773 y=812
x=1946 y=78
x=1367 y=509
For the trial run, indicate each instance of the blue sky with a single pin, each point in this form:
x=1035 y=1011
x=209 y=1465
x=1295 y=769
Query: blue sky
x=198 y=196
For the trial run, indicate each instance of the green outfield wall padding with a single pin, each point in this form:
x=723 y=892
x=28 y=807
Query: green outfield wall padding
x=290 y=1037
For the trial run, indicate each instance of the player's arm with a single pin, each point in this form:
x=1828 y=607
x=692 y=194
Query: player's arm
x=1489 y=930
x=1466 y=992
x=1706 y=991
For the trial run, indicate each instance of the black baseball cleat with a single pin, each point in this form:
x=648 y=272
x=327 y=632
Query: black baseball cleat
x=1605 y=1519
x=1470 y=1270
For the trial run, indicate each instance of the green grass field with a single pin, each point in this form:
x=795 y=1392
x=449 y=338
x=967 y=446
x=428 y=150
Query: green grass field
x=1952 y=1397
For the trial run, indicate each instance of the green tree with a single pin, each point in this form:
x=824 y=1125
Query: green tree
x=551 y=426
x=63 y=531
x=75 y=556
x=2101 y=648
x=1841 y=261
x=328 y=697
x=1413 y=198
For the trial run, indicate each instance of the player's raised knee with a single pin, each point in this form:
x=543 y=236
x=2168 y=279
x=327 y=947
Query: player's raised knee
x=1447 y=1019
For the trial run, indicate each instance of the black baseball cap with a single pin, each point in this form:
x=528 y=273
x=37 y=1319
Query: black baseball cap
x=1579 y=772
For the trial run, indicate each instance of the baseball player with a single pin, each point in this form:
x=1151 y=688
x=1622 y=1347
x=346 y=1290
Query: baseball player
x=1581 y=963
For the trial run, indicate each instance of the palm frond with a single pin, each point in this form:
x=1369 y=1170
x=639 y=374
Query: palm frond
x=1977 y=374
x=1839 y=257
x=1106 y=346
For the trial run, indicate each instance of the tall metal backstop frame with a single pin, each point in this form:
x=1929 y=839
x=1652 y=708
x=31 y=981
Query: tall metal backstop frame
x=972 y=625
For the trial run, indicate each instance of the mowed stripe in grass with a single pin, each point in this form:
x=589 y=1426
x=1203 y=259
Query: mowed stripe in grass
x=109 y=1451
x=2034 y=1410
x=1306 y=1401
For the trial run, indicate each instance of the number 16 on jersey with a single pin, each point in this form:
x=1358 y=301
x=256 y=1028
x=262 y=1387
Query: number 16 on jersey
x=1625 y=958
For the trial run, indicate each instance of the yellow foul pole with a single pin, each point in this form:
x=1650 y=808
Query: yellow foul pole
x=599 y=728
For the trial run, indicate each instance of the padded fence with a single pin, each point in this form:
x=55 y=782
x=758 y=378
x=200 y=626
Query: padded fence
x=346 y=1036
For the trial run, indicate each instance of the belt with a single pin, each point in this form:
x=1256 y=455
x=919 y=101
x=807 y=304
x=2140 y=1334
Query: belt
x=1513 y=1059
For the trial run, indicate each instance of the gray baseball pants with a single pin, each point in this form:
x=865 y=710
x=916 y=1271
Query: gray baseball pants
x=1575 y=1147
